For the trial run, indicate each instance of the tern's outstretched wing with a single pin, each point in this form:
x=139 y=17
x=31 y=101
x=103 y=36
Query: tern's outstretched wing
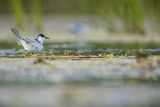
x=16 y=33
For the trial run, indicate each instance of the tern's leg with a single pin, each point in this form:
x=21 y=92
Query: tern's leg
x=30 y=52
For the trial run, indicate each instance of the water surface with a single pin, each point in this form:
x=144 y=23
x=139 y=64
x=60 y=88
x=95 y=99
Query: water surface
x=88 y=49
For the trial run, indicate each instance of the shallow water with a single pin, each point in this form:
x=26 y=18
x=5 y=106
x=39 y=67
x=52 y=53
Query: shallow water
x=98 y=94
x=88 y=49
x=77 y=83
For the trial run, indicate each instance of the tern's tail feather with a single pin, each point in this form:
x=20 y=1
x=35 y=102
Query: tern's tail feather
x=16 y=33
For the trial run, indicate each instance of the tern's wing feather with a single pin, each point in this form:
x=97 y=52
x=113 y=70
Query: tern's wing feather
x=28 y=41
x=16 y=33
x=35 y=45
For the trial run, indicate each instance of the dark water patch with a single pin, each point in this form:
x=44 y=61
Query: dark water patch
x=135 y=45
x=117 y=45
x=84 y=51
x=90 y=49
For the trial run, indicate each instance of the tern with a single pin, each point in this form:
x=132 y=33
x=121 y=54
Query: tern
x=28 y=44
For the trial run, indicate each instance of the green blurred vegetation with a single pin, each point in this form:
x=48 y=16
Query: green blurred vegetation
x=18 y=12
x=36 y=11
x=131 y=13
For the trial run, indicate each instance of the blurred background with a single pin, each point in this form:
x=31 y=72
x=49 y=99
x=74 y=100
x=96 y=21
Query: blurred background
x=96 y=19
x=101 y=53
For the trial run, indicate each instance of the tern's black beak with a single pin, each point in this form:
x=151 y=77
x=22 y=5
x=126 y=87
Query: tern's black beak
x=43 y=36
x=46 y=37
